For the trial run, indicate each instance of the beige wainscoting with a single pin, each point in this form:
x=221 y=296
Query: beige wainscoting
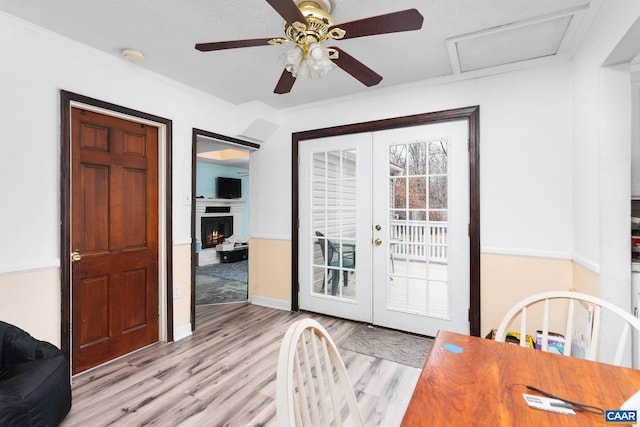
x=585 y=280
x=182 y=283
x=507 y=279
x=31 y=301
x=270 y=272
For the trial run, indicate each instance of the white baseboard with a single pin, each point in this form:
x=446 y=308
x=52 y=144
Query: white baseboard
x=182 y=331
x=271 y=302
x=265 y=236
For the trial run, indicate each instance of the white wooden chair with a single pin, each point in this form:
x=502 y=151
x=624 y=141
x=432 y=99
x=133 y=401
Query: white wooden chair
x=520 y=309
x=313 y=388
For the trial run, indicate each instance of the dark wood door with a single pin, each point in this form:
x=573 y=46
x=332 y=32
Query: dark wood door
x=114 y=236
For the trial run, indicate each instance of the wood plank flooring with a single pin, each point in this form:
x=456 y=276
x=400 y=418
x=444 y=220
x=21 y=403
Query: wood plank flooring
x=224 y=375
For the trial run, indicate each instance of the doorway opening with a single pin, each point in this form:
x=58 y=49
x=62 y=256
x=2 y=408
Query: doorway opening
x=220 y=219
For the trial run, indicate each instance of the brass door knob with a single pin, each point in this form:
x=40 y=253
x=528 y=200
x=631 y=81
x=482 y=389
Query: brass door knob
x=378 y=241
x=75 y=256
x=378 y=227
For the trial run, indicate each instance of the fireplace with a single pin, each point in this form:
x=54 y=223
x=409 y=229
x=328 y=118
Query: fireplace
x=215 y=229
x=216 y=210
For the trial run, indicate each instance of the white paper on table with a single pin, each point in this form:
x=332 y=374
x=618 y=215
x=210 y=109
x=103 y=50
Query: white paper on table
x=548 y=404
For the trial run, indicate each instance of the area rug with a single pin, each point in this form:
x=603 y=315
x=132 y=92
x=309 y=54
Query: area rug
x=231 y=271
x=216 y=290
x=400 y=347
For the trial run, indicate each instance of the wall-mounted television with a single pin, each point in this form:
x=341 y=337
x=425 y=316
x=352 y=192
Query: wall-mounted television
x=229 y=188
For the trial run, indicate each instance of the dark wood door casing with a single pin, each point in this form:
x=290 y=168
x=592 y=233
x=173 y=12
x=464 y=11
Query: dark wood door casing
x=472 y=115
x=195 y=133
x=131 y=273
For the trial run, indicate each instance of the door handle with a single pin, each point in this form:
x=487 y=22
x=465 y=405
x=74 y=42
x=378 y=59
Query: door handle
x=75 y=256
x=378 y=241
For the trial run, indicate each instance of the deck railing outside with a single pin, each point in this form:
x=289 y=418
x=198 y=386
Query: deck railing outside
x=412 y=240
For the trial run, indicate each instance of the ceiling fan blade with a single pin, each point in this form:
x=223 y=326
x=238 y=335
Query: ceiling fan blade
x=207 y=47
x=285 y=83
x=405 y=20
x=288 y=10
x=357 y=69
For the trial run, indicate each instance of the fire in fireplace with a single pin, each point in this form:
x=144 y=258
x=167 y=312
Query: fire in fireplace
x=215 y=229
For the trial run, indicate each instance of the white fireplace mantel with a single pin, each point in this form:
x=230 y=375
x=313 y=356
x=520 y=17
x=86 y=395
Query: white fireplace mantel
x=202 y=203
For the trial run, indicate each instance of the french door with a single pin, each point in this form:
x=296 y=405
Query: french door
x=383 y=233
x=335 y=224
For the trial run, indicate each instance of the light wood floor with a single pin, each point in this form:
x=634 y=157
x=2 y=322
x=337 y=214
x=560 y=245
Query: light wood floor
x=224 y=375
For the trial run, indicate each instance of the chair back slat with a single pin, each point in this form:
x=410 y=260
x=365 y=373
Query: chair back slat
x=321 y=368
x=523 y=327
x=545 y=326
x=312 y=395
x=568 y=330
x=592 y=352
x=302 y=408
x=335 y=403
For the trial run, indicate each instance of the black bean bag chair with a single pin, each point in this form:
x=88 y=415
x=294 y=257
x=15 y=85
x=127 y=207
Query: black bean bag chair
x=35 y=383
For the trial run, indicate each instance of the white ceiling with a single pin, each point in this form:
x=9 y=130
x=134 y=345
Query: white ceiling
x=206 y=144
x=459 y=39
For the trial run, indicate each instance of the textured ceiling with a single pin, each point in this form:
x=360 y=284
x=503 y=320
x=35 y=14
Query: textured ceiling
x=459 y=38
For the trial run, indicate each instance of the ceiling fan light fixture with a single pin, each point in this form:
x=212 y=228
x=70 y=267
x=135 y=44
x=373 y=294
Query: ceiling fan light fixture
x=318 y=59
x=300 y=63
x=293 y=58
x=316 y=52
x=296 y=63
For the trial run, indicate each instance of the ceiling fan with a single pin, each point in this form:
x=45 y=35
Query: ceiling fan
x=308 y=23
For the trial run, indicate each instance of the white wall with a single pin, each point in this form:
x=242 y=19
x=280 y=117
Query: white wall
x=36 y=65
x=554 y=153
x=553 y=147
x=526 y=178
x=525 y=152
x=41 y=64
x=602 y=147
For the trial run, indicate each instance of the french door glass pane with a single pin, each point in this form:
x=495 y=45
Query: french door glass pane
x=438 y=161
x=416 y=159
x=334 y=218
x=417 y=214
x=416 y=193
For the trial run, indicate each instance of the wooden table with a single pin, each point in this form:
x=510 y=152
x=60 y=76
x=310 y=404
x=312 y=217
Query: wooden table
x=480 y=383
